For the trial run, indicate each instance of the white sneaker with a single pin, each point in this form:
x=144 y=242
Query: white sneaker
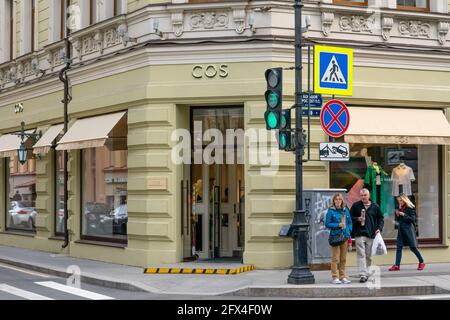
x=336 y=281
x=345 y=281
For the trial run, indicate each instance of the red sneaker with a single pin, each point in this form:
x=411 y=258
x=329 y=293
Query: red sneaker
x=421 y=266
x=394 y=268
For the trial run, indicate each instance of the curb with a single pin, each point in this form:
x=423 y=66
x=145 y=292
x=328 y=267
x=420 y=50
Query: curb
x=84 y=279
x=332 y=292
x=199 y=270
x=247 y=291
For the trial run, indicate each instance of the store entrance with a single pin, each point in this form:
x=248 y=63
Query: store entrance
x=218 y=186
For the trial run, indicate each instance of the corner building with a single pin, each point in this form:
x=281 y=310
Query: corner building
x=142 y=69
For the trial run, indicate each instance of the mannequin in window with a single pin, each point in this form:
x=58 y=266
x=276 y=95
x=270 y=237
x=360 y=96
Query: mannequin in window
x=402 y=176
x=364 y=153
x=198 y=191
x=375 y=178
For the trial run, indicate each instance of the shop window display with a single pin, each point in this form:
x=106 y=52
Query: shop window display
x=21 y=190
x=104 y=195
x=59 y=199
x=389 y=170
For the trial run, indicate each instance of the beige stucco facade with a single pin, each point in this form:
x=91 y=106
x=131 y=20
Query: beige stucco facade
x=156 y=86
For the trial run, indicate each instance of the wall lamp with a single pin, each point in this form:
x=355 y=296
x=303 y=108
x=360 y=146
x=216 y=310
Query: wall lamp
x=23 y=151
x=63 y=57
x=122 y=32
x=251 y=23
x=156 y=29
x=307 y=24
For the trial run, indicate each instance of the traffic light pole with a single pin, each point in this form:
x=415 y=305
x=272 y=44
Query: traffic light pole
x=301 y=274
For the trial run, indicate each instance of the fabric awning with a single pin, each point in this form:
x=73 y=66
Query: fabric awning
x=26 y=184
x=46 y=141
x=9 y=143
x=90 y=132
x=397 y=126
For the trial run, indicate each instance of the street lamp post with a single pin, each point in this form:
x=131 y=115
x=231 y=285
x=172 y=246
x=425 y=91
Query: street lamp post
x=22 y=152
x=300 y=274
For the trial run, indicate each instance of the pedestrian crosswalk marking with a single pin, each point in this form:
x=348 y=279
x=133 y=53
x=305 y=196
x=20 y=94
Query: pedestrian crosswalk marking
x=22 y=293
x=333 y=73
x=75 y=291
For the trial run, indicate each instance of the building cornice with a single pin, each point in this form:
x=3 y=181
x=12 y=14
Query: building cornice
x=216 y=53
x=212 y=24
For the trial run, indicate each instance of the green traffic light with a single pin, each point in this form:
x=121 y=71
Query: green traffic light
x=283 y=140
x=273 y=99
x=283 y=121
x=272 y=120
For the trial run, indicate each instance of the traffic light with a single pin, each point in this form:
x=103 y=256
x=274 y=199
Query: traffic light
x=274 y=97
x=284 y=135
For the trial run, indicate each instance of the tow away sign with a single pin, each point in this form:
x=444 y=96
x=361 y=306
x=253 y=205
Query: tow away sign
x=334 y=151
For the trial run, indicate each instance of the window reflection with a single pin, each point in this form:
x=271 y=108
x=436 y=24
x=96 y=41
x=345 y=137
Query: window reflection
x=197 y=186
x=422 y=186
x=21 y=189
x=105 y=211
x=413 y=3
x=59 y=212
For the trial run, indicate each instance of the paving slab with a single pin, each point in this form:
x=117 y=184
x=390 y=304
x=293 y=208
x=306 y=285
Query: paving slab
x=257 y=283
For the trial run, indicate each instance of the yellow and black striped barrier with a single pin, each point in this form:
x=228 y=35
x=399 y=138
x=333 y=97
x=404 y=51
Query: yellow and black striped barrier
x=199 y=270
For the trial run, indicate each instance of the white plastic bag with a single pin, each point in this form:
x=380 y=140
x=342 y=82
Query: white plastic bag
x=378 y=246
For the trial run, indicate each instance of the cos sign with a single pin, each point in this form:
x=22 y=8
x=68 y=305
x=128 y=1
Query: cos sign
x=210 y=71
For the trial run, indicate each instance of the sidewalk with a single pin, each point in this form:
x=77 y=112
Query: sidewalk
x=435 y=279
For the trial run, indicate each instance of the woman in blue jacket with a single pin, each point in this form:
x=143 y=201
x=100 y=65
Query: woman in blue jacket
x=338 y=220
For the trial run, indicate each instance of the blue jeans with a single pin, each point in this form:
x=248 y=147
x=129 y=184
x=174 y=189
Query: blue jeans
x=413 y=248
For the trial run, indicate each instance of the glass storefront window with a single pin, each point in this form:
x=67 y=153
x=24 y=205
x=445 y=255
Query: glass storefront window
x=423 y=4
x=21 y=190
x=104 y=194
x=350 y=2
x=411 y=169
x=59 y=205
x=197 y=187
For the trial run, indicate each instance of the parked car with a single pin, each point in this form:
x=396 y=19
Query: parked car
x=21 y=215
x=60 y=220
x=116 y=221
x=94 y=213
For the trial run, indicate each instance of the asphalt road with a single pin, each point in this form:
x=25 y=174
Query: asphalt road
x=21 y=284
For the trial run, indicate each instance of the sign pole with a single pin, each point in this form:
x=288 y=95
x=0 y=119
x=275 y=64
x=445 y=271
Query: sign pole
x=300 y=274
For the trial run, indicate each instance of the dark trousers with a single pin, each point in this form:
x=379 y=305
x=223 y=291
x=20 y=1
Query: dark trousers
x=412 y=247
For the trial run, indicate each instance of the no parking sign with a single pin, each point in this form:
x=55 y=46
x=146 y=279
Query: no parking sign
x=335 y=118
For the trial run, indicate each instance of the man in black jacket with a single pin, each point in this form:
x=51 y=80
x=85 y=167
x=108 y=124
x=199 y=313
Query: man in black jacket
x=367 y=222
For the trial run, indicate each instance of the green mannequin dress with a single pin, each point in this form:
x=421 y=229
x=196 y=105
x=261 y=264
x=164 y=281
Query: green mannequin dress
x=371 y=179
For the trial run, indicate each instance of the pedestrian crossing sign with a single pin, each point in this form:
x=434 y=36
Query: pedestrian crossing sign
x=333 y=70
